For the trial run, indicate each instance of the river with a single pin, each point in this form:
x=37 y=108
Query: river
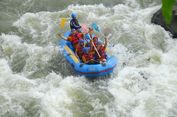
x=36 y=81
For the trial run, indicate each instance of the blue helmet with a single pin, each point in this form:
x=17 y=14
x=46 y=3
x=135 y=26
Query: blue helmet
x=74 y=15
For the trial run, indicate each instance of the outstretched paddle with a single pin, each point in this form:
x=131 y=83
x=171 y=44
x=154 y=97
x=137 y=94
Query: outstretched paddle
x=95 y=27
x=63 y=22
x=107 y=31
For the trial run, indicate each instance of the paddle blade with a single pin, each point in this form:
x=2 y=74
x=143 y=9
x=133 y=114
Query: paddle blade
x=95 y=27
x=63 y=22
x=84 y=28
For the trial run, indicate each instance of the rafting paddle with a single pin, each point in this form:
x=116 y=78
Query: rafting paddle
x=107 y=31
x=95 y=27
x=63 y=22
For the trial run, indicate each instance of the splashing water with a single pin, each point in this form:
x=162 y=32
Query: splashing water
x=35 y=79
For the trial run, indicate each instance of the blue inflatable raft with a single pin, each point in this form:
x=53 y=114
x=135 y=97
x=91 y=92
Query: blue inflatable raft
x=93 y=70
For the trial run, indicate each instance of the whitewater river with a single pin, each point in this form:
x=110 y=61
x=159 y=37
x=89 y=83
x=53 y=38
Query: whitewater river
x=36 y=81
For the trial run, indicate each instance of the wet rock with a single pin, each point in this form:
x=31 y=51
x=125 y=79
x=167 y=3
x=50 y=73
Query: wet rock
x=158 y=19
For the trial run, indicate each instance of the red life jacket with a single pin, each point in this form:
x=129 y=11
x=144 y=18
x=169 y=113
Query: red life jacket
x=80 y=36
x=74 y=39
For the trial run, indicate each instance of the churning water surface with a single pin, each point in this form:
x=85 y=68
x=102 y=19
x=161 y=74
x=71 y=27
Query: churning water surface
x=36 y=81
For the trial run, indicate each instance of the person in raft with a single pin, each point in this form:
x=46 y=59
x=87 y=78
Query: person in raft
x=88 y=36
x=102 y=51
x=88 y=56
x=74 y=24
x=79 y=49
x=95 y=41
x=71 y=38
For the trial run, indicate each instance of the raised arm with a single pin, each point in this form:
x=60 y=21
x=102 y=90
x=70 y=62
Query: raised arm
x=105 y=42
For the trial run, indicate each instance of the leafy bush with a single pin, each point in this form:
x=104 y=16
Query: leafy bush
x=167 y=7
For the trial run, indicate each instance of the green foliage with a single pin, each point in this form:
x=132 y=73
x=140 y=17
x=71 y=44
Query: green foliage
x=167 y=7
